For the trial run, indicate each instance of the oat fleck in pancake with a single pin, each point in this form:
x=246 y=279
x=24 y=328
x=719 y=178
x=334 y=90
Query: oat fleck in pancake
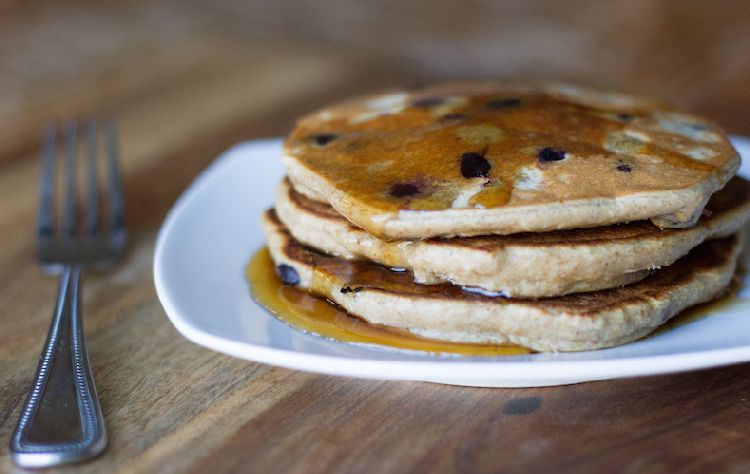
x=521 y=265
x=473 y=159
x=444 y=312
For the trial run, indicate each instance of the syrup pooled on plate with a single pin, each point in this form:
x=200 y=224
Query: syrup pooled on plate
x=308 y=313
x=728 y=301
x=311 y=314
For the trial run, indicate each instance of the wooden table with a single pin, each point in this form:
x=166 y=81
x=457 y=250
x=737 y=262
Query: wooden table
x=186 y=80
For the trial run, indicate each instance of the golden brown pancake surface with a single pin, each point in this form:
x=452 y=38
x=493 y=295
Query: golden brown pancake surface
x=495 y=147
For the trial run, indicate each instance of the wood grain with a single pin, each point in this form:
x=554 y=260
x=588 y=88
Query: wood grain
x=186 y=80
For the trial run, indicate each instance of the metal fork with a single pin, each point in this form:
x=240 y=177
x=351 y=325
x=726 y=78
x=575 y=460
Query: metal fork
x=61 y=421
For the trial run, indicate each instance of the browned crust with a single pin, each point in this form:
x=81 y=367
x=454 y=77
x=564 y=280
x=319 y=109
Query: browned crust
x=570 y=323
x=373 y=277
x=734 y=197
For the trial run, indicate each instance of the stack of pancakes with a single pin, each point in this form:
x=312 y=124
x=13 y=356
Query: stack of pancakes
x=547 y=215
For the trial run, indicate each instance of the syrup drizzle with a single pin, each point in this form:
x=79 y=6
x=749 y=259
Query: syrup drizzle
x=312 y=314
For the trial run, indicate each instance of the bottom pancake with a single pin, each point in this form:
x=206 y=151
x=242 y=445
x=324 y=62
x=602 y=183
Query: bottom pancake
x=445 y=312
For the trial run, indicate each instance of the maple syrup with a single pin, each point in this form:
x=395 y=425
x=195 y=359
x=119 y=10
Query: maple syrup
x=311 y=314
x=695 y=313
x=730 y=299
x=388 y=155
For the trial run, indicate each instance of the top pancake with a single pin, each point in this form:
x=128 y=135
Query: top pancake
x=489 y=158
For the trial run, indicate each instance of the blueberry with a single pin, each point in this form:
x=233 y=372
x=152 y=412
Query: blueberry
x=625 y=117
x=551 y=154
x=323 y=139
x=288 y=274
x=625 y=168
x=427 y=102
x=403 y=189
x=474 y=165
x=499 y=104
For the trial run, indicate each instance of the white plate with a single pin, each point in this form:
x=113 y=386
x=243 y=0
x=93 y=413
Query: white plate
x=213 y=230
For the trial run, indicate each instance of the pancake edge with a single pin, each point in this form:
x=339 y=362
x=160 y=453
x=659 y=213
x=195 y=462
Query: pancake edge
x=666 y=209
x=517 y=270
x=539 y=327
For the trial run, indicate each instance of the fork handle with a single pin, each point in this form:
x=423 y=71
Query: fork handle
x=61 y=421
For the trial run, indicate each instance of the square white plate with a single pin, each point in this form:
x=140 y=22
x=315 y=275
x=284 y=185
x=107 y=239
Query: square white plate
x=213 y=231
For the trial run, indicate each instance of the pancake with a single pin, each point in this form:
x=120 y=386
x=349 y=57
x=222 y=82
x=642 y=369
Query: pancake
x=445 y=312
x=490 y=158
x=520 y=265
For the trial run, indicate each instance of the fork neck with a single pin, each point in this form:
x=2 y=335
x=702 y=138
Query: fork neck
x=73 y=273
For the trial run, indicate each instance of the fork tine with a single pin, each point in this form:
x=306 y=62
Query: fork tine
x=47 y=184
x=92 y=192
x=71 y=193
x=116 y=200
